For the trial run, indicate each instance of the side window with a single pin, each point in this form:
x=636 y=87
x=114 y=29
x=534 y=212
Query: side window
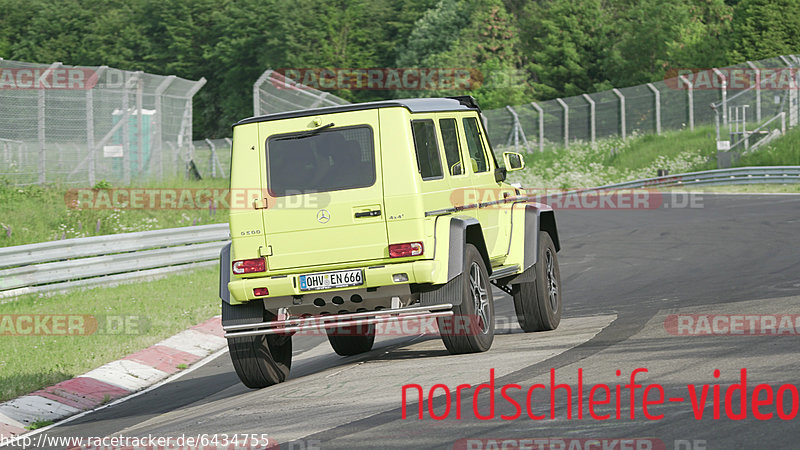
x=476 y=151
x=428 y=161
x=452 y=150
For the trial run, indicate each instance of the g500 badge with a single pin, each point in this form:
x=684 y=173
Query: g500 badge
x=250 y=232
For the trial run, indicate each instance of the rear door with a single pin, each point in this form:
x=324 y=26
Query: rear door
x=323 y=190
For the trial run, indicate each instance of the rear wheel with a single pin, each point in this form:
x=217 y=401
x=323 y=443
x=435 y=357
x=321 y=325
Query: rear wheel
x=471 y=328
x=538 y=302
x=261 y=361
x=352 y=340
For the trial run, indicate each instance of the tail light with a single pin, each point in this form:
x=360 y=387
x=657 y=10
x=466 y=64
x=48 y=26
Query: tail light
x=405 y=249
x=244 y=266
x=260 y=292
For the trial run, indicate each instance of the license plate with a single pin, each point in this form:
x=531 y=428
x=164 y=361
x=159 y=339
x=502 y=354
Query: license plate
x=331 y=280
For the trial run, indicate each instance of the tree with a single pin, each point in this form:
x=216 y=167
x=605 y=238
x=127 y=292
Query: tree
x=564 y=43
x=764 y=29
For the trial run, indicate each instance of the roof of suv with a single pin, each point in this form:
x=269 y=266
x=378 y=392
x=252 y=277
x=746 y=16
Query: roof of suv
x=464 y=103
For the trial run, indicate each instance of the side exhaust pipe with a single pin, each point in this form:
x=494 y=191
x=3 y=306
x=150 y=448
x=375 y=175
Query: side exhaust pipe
x=338 y=320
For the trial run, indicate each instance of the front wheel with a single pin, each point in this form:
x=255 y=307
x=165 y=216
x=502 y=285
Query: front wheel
x=538 y=302
x=471 y=328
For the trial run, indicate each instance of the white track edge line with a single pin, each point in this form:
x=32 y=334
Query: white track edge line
x=174 y=377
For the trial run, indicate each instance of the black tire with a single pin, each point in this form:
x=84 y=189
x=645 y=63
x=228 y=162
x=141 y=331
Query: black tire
x=538 y=303
x=471 y=328
x=352 y=340
x=261 y=361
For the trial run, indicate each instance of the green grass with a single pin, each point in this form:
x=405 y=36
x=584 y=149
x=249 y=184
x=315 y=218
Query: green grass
x=740 y=188
x=39 y=424
x=32 y=214
x=154 y=310
x=784 y=151
x=614 y=160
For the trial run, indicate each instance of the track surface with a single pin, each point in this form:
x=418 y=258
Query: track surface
x=623 y=272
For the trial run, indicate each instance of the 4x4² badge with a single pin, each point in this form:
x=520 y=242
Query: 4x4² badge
x=323 y=216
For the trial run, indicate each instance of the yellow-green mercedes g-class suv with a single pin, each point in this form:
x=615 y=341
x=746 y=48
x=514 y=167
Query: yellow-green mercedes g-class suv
x=356 y=215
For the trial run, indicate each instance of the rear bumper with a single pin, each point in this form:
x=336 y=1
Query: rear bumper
x=375 y=276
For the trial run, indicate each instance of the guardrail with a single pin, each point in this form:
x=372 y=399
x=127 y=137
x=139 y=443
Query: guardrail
x=741 y=175
x=107 y=260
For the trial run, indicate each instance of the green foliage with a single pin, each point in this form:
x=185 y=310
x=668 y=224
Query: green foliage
x=765 y=28
x=160 y=308
x=524 y=50
x=784 y=151
x=614 y=160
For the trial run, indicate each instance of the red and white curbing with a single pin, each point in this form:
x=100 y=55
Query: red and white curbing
x=113 y=380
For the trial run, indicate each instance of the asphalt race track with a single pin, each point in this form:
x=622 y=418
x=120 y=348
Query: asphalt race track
x=624 y=273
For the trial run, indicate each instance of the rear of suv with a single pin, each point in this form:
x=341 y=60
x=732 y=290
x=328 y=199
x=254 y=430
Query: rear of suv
x=368 y=213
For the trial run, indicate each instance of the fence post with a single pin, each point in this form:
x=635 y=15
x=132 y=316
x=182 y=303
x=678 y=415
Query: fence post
x=126 y=142
x=757 y=74
x=197 y=85
x=566 y=121
x=792 y=94
x=517 y=130
x=257 y=91
x=212 y=157
x=591 y=117
x=689 y=100
x=783 y=123
x=540 y=113
x=724 y=92
x=657 y=96
x=159 y=123
x=139 y=120
x=90 y=122
x=622 y=125
x=41 y=81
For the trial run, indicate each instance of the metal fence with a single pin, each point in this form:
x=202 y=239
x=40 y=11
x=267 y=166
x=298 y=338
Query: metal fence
x=212 y=157
x=79 y=125
x=273 y=93
x=752 y=93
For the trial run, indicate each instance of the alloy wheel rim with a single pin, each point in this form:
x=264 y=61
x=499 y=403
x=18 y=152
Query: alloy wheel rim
x=552 y=284
x=480 y=297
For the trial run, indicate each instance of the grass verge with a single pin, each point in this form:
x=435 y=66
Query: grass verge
x=33 y=214
x=135 y=316
x=614 y=160
x=742 y=188
x=784 y=151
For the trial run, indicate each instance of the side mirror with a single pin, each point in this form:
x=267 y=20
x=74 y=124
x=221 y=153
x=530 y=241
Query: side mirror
x=513 y=161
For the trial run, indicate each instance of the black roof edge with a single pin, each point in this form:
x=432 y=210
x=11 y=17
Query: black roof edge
x=466 y=102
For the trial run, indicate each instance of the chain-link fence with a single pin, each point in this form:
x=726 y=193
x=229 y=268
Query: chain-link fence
x=755 y=93
x=212 y=158
x=79 y=125
x=750 y=103
x=273 y=93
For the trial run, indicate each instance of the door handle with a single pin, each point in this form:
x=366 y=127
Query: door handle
x=373 y=213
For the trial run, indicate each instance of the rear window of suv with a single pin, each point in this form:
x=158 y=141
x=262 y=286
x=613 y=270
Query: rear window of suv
x=329 y=160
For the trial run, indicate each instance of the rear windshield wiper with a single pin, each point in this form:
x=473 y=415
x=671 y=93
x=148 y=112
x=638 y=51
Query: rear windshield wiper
x=309 y=133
